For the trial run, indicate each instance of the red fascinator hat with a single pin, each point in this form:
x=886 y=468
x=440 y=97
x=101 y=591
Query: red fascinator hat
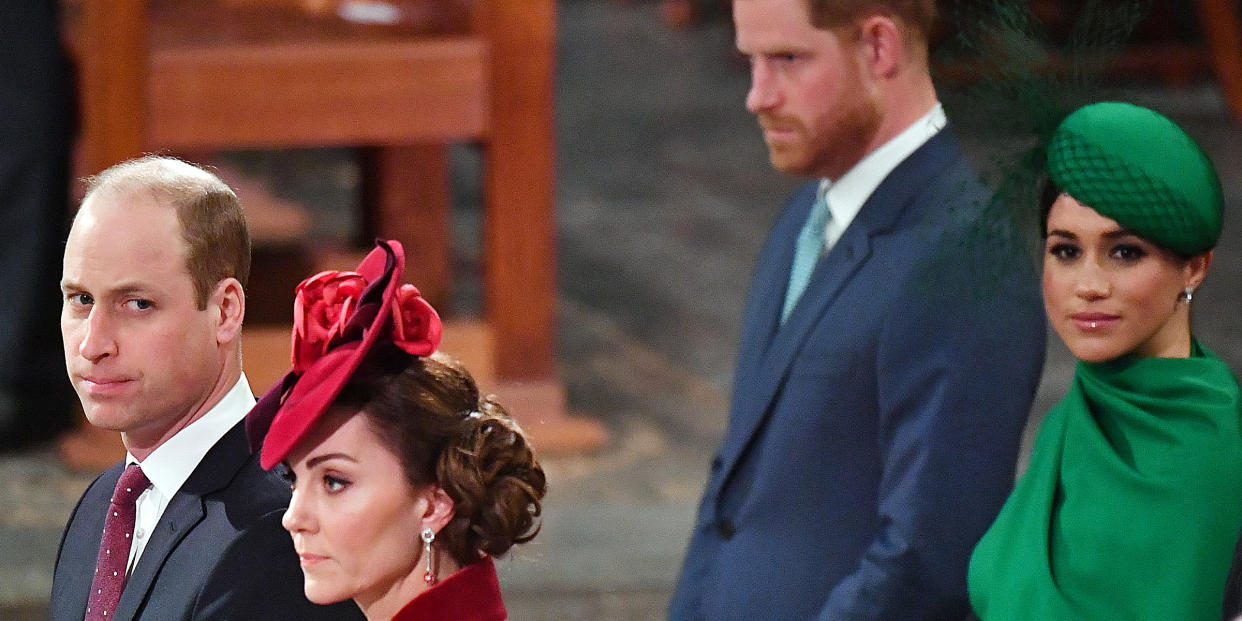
x=337 y=318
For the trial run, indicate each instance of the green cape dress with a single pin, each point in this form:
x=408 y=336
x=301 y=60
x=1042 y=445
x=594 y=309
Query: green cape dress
x=1132 y=502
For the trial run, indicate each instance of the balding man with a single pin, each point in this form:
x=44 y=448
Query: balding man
x=188 y=527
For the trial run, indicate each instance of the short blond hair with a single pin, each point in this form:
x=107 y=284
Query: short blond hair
x=213 y=224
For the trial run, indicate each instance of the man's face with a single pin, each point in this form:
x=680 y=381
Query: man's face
x=140 y=354
x=810 y=89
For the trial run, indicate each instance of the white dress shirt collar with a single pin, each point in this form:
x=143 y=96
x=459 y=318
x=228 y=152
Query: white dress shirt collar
x=847 y=194
x=171 y=463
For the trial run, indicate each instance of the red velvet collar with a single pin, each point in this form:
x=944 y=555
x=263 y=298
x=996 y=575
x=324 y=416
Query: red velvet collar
x=470 y=594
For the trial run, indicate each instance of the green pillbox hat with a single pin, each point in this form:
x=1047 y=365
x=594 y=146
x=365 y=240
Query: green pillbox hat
x=1139 y=168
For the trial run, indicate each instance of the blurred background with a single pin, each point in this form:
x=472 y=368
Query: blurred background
x=586 y=217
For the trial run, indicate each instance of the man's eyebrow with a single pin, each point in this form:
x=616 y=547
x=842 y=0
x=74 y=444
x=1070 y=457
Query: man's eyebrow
x=129 y=289
x=124 y=289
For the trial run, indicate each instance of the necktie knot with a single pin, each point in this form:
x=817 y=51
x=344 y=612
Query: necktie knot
x=817 y=220
x=131 y=485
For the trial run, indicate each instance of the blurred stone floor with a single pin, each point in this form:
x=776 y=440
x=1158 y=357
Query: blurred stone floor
x=664 y=198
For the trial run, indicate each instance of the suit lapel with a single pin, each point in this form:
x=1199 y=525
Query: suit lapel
x=183 y=512
x=80 y=549
x=765 y=359
x=831 y=274
x=770 y=366
x=761 y=317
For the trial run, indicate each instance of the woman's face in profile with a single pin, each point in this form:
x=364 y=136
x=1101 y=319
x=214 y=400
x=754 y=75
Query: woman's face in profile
x=354 y=518
x=1109 y=292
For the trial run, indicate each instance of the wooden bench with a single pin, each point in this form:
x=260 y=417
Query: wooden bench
x=191 y=76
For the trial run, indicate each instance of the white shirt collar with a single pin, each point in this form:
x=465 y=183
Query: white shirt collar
x=847 y=194
x=170 y=464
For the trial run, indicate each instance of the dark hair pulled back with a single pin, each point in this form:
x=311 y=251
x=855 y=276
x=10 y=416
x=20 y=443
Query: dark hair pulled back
x=429 y=413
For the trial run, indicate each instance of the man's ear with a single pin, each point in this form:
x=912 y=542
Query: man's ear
x=881 y=46
x=228 y=305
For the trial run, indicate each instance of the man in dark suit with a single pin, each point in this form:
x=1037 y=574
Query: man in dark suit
x=153 y=302
x=36 y=131
x=891 y=343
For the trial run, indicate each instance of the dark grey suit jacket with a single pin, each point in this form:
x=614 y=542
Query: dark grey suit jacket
x=218 y=551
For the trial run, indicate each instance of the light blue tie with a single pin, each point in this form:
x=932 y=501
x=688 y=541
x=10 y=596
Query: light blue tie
x=806 y=253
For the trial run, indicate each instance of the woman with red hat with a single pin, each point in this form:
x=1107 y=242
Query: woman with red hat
x=405 y=482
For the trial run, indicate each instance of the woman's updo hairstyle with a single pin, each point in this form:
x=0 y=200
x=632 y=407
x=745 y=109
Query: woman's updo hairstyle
x=427 y=410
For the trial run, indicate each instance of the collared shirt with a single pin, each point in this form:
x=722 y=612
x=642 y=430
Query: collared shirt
x=847 y=194
x=171 y=463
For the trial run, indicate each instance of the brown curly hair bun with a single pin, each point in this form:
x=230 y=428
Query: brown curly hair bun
x=429 y=413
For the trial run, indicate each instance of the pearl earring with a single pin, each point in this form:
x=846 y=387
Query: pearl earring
x=1188 y=294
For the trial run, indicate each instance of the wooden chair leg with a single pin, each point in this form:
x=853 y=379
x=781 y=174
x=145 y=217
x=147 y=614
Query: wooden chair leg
x=520 y=179
x=679 y=13
x=406 y=197
x=1223 y=29
x=113 y=57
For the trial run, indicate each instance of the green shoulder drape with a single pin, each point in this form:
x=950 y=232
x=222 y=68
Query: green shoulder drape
x=1132 y=502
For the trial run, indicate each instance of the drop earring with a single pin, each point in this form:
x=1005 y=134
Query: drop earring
x=428 y=536
x=1188 y=294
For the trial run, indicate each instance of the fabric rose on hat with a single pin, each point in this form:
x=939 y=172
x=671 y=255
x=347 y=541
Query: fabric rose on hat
x=322 y=305
x=339 y=319
x=416 y=326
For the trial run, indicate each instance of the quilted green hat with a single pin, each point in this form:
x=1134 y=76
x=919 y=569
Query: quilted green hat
x=1139 y=168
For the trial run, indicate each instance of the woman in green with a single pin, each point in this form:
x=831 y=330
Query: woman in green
x=1132 y=502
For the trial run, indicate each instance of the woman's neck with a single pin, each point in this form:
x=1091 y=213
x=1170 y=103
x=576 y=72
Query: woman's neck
x=1171 y=341
x=383 y=605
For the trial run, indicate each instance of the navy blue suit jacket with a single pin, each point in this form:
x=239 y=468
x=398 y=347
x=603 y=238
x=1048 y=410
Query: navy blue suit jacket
x=218 y=551
x=873 y=437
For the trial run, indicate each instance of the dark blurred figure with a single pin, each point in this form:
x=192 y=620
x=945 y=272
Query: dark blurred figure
x=1233 y=586
x=36 y=126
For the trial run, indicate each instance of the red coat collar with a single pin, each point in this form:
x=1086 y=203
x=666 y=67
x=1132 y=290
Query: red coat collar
x=470 y=594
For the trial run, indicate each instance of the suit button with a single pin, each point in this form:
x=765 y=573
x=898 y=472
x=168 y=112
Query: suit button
x=716 y=463
x=725 y=529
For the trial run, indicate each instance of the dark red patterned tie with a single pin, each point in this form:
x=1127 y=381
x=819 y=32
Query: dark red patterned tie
x=118 y=534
